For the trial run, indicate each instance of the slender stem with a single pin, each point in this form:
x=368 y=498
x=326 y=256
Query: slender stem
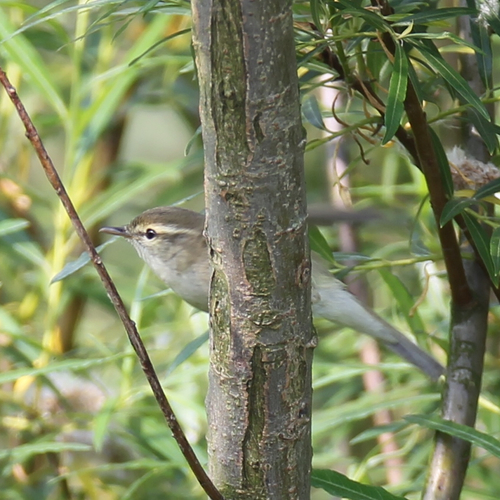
x=129 y=325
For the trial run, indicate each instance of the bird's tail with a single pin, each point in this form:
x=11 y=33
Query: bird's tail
x=405 y=348
x=333 y=302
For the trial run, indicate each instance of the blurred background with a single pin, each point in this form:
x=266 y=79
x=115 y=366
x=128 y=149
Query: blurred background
x=112 y=89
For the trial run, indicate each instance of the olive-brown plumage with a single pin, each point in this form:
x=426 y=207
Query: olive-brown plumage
x=170 y=240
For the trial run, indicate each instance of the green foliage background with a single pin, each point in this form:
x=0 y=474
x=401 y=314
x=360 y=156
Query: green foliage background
x=112 y=90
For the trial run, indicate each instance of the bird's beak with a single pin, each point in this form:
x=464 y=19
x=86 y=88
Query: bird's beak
x=118 y=231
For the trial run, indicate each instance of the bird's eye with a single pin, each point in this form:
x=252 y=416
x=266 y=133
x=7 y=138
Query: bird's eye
x=150 y=234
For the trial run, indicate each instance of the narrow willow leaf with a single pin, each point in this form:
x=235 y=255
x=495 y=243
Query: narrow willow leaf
x=341 y=486
x=20 y=51
x=373 y=19
x=312 y=113
x=57 y=366
x=23 y=452
x=484 y=56
x=489 y=189
x=405 y=301
x=9 y=226
x=495 y=250
x=159 y=42
x=485 y=128
x=319 y=244
x=187 y=352
x=445 y=35
x=397 y=94
x=478 y=438
x=430 y=16
x=482 y=242
x=444 y=165
x=453 y=78
x=454 y=207
x=101 y=422
x=191 y=141
x=377 y=431
x=494 y=23
x=315 y=8
x=75 y=265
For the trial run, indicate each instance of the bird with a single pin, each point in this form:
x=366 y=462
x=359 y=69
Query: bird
x=170 y=240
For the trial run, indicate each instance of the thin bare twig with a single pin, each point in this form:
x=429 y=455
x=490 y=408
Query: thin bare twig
x=130 y=328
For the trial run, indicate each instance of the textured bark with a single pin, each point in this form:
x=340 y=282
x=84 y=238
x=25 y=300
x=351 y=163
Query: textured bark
x=451 y=455
x=259 y=398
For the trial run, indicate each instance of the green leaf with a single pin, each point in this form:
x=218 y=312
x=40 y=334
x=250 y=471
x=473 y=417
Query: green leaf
x=430 y=16
x=100 y=423
x=64 y=365
x=454 y=207
x=23 y=452
x=191 y=141
x=485 y=128
x=20 y=51
x=481 y=39
x=158 y=43
x=75 y=265
x=312 y=113
x=444 y=165
x=482 y=242
x=495 y=250
x=188 y=351
x=405 y=301
x=444 y=35
x=377 y=431
x=489 y=189
x=9 y=226
x=315 y=7
x=319 y=244
x=485 y=441
x=397 y=94
x=374 y=19
x=452 y=77
x=341 y=486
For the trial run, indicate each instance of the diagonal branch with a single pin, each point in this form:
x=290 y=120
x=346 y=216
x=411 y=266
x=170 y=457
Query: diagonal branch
x=129 y=325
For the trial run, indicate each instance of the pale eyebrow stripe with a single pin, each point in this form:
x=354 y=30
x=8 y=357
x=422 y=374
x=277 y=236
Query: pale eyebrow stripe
x=172 y=229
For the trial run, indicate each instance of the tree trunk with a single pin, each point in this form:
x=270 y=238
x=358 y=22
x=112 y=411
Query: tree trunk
x=259 y=399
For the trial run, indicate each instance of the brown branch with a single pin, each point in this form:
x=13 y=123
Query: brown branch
x=460 y=290
x=129 y=325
